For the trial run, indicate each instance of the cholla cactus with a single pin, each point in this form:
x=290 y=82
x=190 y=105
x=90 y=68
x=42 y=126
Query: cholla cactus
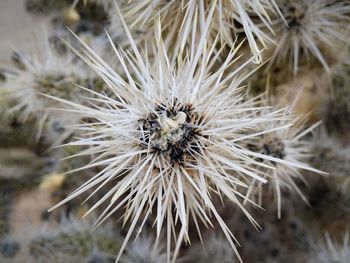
x=6 y=200
x=144 y=250
x=5 y=95
x=71 y=241
x=215 y=250
x=49 y=74
x=287 y=151
x=172 y=138
x=81 y=16
x=330 y=251
x=18 y=163
x=168 y=137
x=105 y=3
x=179 y=18
x=334 y=158
x=335 y=102
x=45 y=6
x=313 y=27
